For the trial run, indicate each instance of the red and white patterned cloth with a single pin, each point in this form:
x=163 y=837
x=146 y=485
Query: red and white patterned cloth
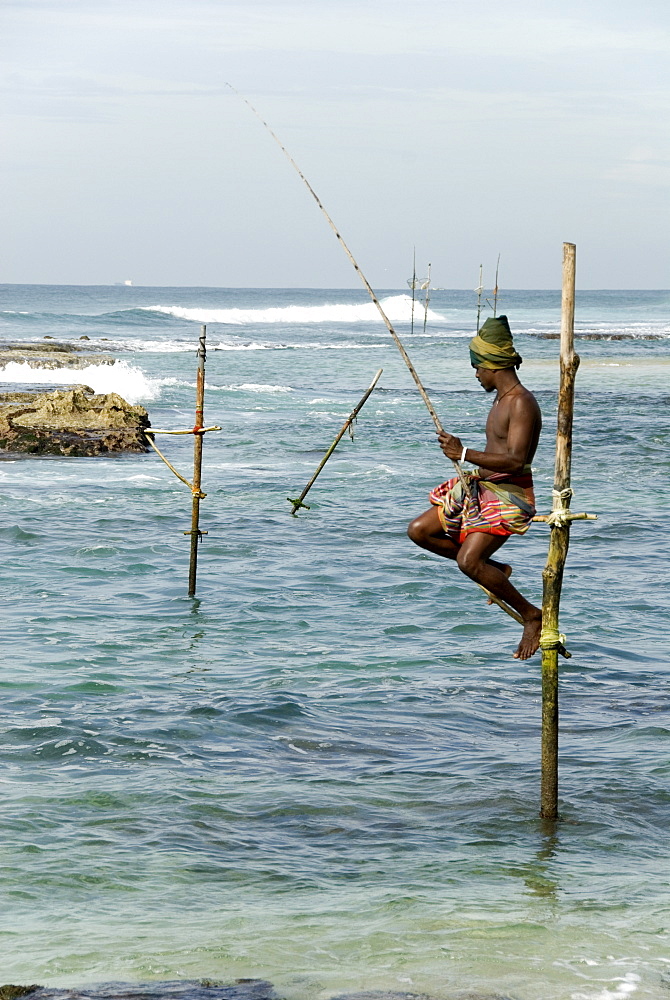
x=500 y=505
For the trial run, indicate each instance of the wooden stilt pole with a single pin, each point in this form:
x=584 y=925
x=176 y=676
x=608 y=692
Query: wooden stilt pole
x=552 y=576
x=195 y=532
x=426 y=301
x=298 y=502
x=198 y=431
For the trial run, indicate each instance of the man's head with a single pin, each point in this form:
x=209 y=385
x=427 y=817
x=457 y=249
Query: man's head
x=493 y=348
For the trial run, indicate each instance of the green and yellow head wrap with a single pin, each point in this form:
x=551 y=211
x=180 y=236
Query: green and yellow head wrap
x=493 y=347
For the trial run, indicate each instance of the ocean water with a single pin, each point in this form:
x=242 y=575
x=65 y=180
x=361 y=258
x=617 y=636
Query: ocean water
x=324 y=769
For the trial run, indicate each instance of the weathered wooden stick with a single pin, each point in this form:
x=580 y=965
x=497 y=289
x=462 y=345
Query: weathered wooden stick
x=160 y=454
x=195 y=532
x=547 y=518
x=191 y=430
x=149 y=433
x=501 y=604
x=552 y=577
x=298 y=502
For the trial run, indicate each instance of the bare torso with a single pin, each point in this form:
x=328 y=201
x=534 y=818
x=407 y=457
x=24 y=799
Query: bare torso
x=513 y=426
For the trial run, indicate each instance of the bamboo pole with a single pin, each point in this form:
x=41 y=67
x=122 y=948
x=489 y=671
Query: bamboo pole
x=298 y=502
x=552 y=576
x=195 y=532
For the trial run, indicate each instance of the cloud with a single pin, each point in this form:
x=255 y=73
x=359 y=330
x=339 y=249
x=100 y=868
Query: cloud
x=643 y=166
x=514 y=117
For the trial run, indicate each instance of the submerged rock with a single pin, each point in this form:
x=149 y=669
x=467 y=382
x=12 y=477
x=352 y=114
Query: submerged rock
x=241 y=989
x=203 y=989
x=73 y=421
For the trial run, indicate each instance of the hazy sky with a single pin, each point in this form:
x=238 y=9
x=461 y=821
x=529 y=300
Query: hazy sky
x=462 y=129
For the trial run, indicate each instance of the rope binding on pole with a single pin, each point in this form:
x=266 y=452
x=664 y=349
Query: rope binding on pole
x=561 y=515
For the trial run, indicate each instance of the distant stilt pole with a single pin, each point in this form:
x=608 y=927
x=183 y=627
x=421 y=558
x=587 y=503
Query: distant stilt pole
x=551 y=641
x=195 y=532
x=413 y=289
x=479 y=289
x=495 y=290
x=426 y=301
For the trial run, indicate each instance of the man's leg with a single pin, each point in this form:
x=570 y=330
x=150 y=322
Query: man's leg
x=426 y=531
x=474 y=560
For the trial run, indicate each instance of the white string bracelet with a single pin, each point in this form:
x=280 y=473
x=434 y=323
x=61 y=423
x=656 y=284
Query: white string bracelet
x=463 y=453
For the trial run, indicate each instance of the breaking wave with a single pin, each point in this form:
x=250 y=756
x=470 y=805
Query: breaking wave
x=398 y=308
x=128 y=381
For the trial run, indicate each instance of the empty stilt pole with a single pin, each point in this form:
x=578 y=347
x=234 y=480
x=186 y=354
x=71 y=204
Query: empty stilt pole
x=195 y=532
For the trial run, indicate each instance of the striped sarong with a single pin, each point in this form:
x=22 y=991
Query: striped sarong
x=500 y=505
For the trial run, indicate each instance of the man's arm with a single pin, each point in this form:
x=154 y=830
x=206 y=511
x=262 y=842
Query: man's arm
x=512 y=457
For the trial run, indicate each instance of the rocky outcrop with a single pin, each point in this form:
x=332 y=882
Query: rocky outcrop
x=52 y=354
x=73 y=421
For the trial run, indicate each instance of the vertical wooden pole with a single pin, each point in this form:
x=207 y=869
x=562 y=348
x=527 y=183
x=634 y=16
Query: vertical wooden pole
x=197 y=460
x=559 y=541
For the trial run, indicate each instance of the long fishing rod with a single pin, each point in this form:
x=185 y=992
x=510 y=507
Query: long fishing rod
x=368 y=286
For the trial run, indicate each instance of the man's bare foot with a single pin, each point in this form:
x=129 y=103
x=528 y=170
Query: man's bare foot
x=530 y=640
x=507 y=570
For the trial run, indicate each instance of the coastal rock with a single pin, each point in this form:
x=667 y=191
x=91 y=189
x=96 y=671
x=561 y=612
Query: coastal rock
x=54 y=354
x=72 y=421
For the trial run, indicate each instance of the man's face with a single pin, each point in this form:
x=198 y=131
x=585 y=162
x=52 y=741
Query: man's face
x=485 y=378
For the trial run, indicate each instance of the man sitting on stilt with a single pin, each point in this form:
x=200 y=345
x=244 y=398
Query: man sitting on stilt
x=469 y=529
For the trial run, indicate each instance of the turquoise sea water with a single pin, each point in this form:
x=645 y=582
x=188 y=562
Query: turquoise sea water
x=324 y=770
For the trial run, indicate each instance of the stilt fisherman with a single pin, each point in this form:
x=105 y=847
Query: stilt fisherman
x=470 y=529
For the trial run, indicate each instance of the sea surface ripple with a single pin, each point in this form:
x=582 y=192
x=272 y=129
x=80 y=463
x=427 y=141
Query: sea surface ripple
x=324 y=769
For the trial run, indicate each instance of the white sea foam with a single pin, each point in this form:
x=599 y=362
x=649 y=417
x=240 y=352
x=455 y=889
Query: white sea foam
x=185 y=347
x=128 y=381
x=156 y=346
x=345 y=346
x=621 y=989
x=254 y=387
x=398 y=308
x=175 y=347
